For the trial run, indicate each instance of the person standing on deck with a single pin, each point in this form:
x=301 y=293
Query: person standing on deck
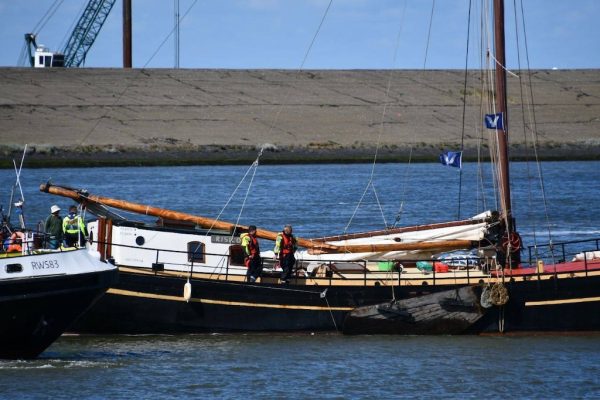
x=74 y=229
x=285 y=247
x=252 y=252
x=53 y=228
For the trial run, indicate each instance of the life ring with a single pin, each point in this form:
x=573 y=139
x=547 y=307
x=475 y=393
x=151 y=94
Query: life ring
x=514 y=240
x=15 y=241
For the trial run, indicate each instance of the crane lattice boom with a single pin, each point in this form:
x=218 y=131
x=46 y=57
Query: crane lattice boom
x=85 y=32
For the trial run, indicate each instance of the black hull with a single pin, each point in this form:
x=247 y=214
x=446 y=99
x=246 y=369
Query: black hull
x=35 y=312
x=450 y=312
x=552 y=305
x=154 y=304
x=148 y=303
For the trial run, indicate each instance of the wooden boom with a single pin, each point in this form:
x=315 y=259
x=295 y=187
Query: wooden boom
x=210 y=223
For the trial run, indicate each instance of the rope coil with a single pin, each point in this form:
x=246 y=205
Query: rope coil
x=494 y=295
x=498 y=294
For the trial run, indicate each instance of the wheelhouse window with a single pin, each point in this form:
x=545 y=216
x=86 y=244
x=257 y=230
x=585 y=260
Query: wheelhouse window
x=12 y=268
x=196 y=252
x=236 y=255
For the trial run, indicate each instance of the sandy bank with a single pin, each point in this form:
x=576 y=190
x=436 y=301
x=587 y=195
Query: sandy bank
x=115 y=116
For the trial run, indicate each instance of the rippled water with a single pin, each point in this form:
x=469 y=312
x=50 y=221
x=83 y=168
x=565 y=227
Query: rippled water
x=319 y=200
x=305 y=366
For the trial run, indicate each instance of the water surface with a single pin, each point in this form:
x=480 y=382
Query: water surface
x=320 y=200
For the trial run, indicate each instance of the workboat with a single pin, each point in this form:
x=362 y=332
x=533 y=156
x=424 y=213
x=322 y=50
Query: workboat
x=44 y=286
x=42 y=292
x=186 y=273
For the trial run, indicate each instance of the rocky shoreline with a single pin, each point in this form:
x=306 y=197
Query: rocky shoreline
x=235 y=155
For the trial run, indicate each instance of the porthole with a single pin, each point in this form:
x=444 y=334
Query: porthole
x=140 y=240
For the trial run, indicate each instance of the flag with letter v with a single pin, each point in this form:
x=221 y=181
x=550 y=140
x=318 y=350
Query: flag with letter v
x=494 y=121
x=451 y=158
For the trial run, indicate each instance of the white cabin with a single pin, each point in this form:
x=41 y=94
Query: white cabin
x=44 y=58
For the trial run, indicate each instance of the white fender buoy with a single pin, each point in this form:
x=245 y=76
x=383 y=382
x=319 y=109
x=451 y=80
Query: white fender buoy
x=187 y=291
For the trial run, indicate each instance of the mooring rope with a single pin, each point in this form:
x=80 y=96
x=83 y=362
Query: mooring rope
x=323 y=295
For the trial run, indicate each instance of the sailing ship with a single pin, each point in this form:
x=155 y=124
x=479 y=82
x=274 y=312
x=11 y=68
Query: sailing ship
x=186 y=273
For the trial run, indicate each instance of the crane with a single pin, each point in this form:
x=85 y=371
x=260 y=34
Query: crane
x=80 y=41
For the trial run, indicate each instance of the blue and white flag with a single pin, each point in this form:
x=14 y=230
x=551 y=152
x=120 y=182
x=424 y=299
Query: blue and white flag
x=494 y=121
x=451 y=158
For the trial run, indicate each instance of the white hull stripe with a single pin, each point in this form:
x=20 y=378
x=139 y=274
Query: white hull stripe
x=561 y=301
x=120 y=292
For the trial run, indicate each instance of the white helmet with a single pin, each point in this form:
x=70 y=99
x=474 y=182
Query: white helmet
x=54 y=209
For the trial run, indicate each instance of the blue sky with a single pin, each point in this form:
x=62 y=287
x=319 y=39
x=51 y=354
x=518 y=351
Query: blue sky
x=276 y=33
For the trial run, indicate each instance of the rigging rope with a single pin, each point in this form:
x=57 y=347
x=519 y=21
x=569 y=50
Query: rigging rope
x=535 y=137
x=489 y=90
x=403 y=193
x=429 y=33
x=462 y=136
x=300 y=68
x=46 y=17
x=530 y=207
x=141 y=72
x=23 y=55
x=170 y=34
x=253 y=166
x=483 y=97
x=385 y=105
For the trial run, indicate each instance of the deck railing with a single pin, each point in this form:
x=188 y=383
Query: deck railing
x=552 y=253
x=355 y=271
x=470 y=268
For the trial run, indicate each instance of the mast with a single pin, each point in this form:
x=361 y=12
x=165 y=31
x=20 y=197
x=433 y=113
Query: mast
x=501 y=104
x=127 y=34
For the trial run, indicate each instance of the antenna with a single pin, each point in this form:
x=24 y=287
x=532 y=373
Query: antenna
x=18 y=173
x=18 y=204
x=176 y=5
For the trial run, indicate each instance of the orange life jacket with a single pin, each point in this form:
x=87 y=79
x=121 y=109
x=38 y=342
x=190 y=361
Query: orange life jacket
x=253 y=246
x=16 y=239
x=287 y=243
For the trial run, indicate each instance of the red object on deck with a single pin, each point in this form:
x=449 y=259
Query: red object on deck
x=573 y=266
x=441 y=267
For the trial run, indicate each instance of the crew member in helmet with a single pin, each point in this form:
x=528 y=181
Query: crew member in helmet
x=252 y=258
x=53 y=228
x=285 y=247
x=74 y=229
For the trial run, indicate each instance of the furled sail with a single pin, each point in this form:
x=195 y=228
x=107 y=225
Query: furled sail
x=314 y=245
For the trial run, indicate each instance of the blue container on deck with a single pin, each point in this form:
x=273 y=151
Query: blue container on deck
x=424 y=266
